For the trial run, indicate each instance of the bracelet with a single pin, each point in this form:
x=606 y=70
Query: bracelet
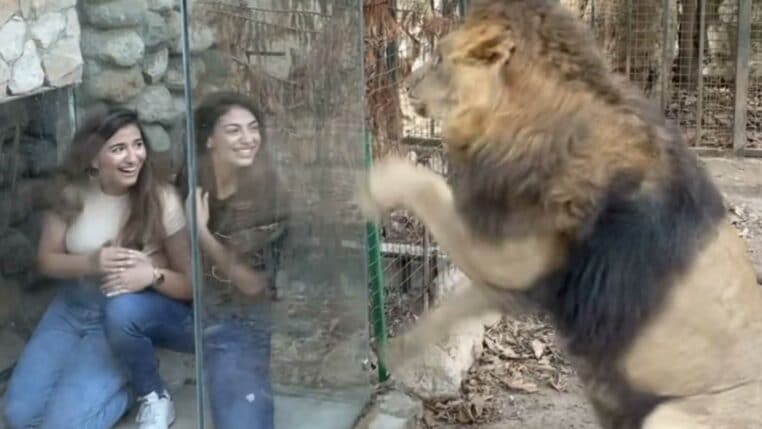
x=158 y=277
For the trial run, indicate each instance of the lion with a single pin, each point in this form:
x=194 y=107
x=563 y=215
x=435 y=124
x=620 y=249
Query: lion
x=572 y=192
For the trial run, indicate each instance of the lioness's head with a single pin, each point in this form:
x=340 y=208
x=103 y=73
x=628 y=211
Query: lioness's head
x=507 y=56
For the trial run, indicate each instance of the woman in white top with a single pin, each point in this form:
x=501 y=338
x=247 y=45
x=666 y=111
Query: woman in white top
x=114 y=235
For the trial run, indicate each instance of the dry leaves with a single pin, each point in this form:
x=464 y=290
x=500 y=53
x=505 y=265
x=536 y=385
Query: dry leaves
x=519 y=356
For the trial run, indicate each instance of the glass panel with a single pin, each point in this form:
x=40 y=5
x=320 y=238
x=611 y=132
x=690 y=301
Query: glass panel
x=66 y=64
x=284 y=310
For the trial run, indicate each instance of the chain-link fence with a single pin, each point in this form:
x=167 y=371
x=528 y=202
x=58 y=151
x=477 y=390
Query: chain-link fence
x=694 y=57
x=399 y=36
x=701 y=60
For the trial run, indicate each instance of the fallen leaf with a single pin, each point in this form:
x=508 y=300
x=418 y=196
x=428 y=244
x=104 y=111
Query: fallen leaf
x=538 y=347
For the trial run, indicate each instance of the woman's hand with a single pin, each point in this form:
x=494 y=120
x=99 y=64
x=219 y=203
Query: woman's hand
x=252 y=284
x=110 y=258
x=137 y=277
x=202 y=207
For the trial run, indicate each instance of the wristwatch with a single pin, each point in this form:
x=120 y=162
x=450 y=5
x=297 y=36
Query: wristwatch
x=158 y=277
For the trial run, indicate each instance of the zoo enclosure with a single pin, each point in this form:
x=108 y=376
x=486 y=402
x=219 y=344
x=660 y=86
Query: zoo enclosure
x=701 y=60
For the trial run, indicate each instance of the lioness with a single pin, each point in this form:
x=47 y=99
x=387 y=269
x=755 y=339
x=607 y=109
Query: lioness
x=574 y=193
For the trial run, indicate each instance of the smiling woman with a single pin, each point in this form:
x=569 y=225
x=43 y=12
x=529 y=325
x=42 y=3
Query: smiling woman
x=114 y=235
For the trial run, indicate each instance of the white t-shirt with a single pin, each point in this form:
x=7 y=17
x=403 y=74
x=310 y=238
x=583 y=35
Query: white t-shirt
x=104 y=215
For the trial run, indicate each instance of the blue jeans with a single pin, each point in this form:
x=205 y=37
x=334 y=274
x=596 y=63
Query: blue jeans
x=236 y=354
x=67 y=376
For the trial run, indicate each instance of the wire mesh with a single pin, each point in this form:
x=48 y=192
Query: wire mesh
x=300 y=60
x=399 y=36
x=754 y=101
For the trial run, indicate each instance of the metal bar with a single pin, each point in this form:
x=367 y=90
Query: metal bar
x=700 y=79
x=426 y=268
x=190 y=159
x=628 y=38
x=376 y=279
x=742 y=74
x=665 y=66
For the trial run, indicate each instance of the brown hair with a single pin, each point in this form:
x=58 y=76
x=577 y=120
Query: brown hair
x=260 y=178
x=144 y=221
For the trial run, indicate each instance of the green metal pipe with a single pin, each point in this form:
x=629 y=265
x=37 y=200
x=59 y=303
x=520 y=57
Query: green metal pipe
x=376 y=276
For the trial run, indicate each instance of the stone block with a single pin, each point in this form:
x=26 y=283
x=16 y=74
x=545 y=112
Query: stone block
x=114 y=84
x=5 y=76
x=161 y=5
x=174 y=78
x=155 y=65
x=154 y=30
x=73 y=26
x=202 y=37
x=63 y=63
x=155 y=104
x=123 y=47
x=48 y=28
x=17 y=253
x=13 y=209
x=13 y=35
x=8 y=8
x=35 y=8
x=115 y=13
x=27 y=74
x=157 y=136
x=40 y=154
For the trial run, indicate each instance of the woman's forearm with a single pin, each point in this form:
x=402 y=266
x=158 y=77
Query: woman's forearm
x=241 y=275
x=175 y=285
x=65 y=265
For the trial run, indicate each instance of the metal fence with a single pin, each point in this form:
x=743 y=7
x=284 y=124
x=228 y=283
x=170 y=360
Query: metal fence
x=700 y=59
x=399 y=36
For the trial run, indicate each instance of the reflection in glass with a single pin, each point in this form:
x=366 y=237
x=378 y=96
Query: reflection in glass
x=241 y=232
x=296 y=70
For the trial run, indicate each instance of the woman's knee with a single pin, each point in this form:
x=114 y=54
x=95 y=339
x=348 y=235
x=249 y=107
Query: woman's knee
x=21 y=414
x=127 y=312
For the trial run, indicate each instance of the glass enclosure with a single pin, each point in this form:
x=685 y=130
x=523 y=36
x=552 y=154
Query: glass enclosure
x=125 y=294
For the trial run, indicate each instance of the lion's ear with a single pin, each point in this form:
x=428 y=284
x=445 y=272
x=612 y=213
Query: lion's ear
x=490 y=43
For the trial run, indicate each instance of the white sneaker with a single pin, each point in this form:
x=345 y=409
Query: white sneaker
x=156 y=412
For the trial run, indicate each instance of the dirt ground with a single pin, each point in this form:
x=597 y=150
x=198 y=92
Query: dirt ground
x=543 y=393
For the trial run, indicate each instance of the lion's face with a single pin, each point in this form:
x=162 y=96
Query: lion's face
x=462 y=80
x=463 y=72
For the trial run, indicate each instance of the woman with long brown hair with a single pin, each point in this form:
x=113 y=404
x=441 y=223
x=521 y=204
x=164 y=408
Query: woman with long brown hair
x=242 y=214
x=114 y=239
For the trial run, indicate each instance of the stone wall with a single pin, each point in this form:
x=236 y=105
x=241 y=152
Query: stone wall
x=133 y=57
x=39 y=46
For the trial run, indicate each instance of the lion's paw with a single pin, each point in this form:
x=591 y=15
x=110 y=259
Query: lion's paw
x=388 y=184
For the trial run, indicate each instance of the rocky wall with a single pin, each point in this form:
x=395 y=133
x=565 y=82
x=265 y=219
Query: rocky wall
x=39 y=46
x=133 y=57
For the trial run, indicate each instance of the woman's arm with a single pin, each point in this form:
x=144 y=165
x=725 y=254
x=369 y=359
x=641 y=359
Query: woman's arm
x=177 y=276
x=52 y=258
x=249 y=281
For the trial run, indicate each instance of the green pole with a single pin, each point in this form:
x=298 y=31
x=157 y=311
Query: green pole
x=378 y=314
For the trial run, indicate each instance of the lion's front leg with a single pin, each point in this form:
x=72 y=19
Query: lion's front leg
x=467 y=302
x=512 y=264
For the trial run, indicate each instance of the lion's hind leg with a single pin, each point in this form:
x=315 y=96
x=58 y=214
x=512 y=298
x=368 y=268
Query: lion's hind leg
x=736 y=408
